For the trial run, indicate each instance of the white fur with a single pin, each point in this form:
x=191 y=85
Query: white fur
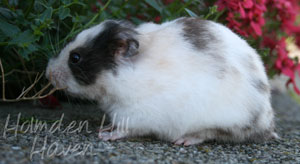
x=172 y=89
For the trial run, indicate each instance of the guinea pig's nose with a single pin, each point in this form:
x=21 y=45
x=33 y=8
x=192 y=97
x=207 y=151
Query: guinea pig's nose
x=58 y=78
x=48 y=72
x=49 y=69
x=54 y=77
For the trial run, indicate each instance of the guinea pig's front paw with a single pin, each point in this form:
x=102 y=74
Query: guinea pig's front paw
x=111 y=136
x=187 y=141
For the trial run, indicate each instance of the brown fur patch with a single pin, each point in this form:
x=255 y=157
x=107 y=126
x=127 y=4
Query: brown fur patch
x=222 y=133
x=260 y=86
x=252 y=66
x=163 y=64
x=221 y=73
x=250 y=63
x=235 y=71
x=196 y=32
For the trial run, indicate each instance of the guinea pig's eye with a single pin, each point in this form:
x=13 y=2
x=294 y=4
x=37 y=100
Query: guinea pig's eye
x=74 y=58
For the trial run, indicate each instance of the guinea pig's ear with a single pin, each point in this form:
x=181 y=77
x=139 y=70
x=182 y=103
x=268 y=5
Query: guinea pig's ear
x=125 y=47
x=124 y=43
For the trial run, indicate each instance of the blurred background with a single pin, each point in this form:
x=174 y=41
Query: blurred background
x=32 y=31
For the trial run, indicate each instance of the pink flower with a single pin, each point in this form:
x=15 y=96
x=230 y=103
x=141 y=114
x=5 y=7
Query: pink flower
x=286 y=65
x=256 y=27
x=50 y=102
x=248 y=17
x=166 y=2
x=157 y=19
x=298 y=39
x=250 y=20
x=247 y=4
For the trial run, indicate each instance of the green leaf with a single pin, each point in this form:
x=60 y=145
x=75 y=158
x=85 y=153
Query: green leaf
x=23 y=39
x=66 y=2
x=27 y=51
x=47 y=14
x=50 y=2
x=37 y=31
x=63 y=13
x=7 y=13
x=8 y=29
x=136 y=20
x=154 y=4
x=191 y=13
x=13 y=2
x=2 y=37
x=212 y=10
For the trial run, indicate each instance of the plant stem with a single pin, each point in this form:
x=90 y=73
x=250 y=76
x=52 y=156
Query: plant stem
x=24 y=66
x=3 y=81
x=3 y=43
x=66 y=6
x=8 y=6
x=98 y=14
x=18 y=71
x=116 y=13
x=29 y=8
x=184 y=6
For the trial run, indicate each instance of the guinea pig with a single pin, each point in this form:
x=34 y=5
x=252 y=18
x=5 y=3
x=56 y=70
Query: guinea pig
x=185 y=81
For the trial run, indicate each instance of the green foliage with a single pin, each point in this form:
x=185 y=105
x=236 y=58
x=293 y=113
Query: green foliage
x=33 y=31
x=264 y=53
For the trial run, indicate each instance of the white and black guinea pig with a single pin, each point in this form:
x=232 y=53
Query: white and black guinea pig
x=185 y=81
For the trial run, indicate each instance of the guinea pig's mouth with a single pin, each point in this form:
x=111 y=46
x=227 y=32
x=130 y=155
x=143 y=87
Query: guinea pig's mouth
x=61 y=81
x=56 y=81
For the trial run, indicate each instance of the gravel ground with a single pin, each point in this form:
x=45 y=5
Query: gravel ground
x=66 y=146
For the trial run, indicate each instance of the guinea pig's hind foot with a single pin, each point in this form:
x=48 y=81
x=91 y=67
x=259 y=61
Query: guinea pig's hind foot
x=274 y=135
x=188 y=140
x=111 y=136
x=106 y=128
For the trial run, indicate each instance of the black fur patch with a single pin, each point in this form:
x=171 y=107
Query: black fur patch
x=196 y=32
x=100 y=52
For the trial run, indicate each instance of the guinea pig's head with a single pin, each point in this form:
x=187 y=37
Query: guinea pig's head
x=96 y=51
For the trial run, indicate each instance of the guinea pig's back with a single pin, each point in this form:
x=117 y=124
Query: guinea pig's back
x=202 y=73
x=211 y=51
x=251 y=78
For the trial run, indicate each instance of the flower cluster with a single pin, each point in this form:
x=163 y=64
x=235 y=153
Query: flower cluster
x=273 y=21
x=243 y=13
